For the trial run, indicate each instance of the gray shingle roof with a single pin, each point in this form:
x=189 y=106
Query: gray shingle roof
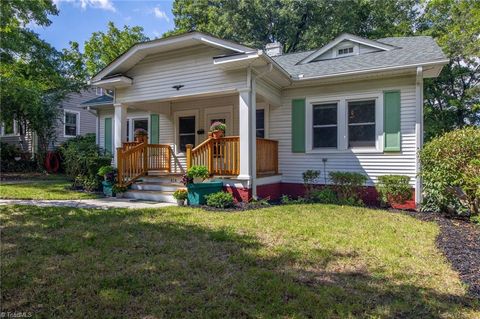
x=99 y=100
x=411 y=50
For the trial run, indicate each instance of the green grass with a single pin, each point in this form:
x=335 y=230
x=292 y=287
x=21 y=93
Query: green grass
x=305 y=261
x=44 y=187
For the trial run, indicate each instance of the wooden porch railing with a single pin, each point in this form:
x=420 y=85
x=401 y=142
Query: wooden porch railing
x=222 y=156
x=267 y=157
x=134 y=161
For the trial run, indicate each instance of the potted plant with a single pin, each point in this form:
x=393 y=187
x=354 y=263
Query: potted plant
x=197 y=190
x=180 y=195
x=218 y=129
x=198 y=173
x=141 y=135
x=108 y=174
x=119 y=191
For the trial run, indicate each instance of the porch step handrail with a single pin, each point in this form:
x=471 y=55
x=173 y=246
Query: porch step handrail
x=134 y=162
x=222 y=156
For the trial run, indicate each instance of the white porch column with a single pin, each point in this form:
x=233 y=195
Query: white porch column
x=244 y=110
x=120 y=129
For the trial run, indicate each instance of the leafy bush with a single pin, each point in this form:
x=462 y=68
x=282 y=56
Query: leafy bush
x=348 y=185
x=325 y=196
x=286 y=200
x=310 y=178
x=394 y=189
x=198 y=171
x=180 y=194
x=449 y=172
x=108 y=172
x=9 y=152
x=82 y=159
x=119 y=189
x=219 y=200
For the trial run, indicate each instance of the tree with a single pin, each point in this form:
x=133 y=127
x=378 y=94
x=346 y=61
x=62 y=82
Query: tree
x=453 y=99
x=34 y=76
x=102 y=48
x=298 y=25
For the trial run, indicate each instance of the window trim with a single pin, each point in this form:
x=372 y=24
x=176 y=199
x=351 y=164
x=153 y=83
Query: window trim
x=313 y=126
x=342 y=122
x=176 y=116
x=15 y=133
x=77 y=113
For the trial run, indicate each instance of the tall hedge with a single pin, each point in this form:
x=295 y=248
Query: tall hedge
x=447 y=163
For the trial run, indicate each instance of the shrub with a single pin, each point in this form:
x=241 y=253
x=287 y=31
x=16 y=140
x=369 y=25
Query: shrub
x=325 y=196
x=180 y=194
x=8 y=163
x=83 y=158
x=348 y=185
x=448 y=163
x=119 y=189
x=394 y=189
x=219 y=200
x=286 y=200
x=310 y=178
x=198 y=171
x=108 y=172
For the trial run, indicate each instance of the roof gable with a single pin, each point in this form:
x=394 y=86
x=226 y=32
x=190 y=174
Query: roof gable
x=339 y=42
x=138 y=51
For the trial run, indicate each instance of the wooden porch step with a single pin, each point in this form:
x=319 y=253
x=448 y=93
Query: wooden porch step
x=157 y=196
x=152 y=186
x=164 y=178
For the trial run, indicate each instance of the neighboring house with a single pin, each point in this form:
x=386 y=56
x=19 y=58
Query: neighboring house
x=74 y=121
x=353 y=105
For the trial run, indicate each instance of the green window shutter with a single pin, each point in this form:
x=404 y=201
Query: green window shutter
x=391 y=123
x=154 y=129
x=298 y=126
x=108 y=135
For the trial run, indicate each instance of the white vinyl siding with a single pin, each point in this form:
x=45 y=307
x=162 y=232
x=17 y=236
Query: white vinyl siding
x=373 y=164
x=155 y=75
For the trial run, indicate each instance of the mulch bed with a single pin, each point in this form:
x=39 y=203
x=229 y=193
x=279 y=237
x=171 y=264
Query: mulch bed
x=459 y=240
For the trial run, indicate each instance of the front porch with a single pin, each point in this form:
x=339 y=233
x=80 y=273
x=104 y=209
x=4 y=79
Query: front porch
x=178 y=139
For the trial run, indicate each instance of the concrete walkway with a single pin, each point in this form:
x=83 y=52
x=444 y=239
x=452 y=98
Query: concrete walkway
x=100 y=203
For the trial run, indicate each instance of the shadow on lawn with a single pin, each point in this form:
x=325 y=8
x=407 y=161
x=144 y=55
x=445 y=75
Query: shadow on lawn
x=84 y=263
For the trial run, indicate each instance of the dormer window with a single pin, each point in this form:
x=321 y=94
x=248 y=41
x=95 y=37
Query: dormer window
x=345 y=51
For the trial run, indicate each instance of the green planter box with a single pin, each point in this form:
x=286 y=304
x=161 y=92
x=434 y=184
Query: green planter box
x=107 y=189
x=197 y=191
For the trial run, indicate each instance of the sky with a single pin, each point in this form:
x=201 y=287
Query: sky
x=78 y=19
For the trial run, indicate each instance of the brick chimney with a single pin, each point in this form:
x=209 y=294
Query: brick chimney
x=274 y=49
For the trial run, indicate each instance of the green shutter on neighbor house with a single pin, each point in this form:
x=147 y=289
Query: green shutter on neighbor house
x=298 y=126
x=108 y=135
x=391 y=123
x=154 y=129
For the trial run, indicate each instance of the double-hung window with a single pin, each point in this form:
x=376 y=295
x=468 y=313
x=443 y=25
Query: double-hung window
x=325 y=125
x=71 y=124
x=260 y=125
x=361 y=123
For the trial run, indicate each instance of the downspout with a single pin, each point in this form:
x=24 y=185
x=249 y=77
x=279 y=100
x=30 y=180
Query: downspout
x=418 y=134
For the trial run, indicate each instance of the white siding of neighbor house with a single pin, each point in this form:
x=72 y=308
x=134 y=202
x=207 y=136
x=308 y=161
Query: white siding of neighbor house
x=87 y=119
x=154 y=76
x=292 y=165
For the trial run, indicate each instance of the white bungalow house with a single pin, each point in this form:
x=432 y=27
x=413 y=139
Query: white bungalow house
x=353 y=105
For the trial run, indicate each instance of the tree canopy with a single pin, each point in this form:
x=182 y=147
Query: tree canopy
x=451 y=101
x=104 y=47
x=34 y=76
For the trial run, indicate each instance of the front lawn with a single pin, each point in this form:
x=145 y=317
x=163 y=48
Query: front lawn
x=305 y=261
x=41 y=187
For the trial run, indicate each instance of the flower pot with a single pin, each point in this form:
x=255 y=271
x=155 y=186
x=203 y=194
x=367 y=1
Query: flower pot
x=141 y=138
x=197 y=180
x=107 y=188
x=217 y=134
x=180 y=202
x=210 y=134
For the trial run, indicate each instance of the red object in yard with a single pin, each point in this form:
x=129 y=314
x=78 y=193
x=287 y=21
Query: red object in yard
x=52 y=162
